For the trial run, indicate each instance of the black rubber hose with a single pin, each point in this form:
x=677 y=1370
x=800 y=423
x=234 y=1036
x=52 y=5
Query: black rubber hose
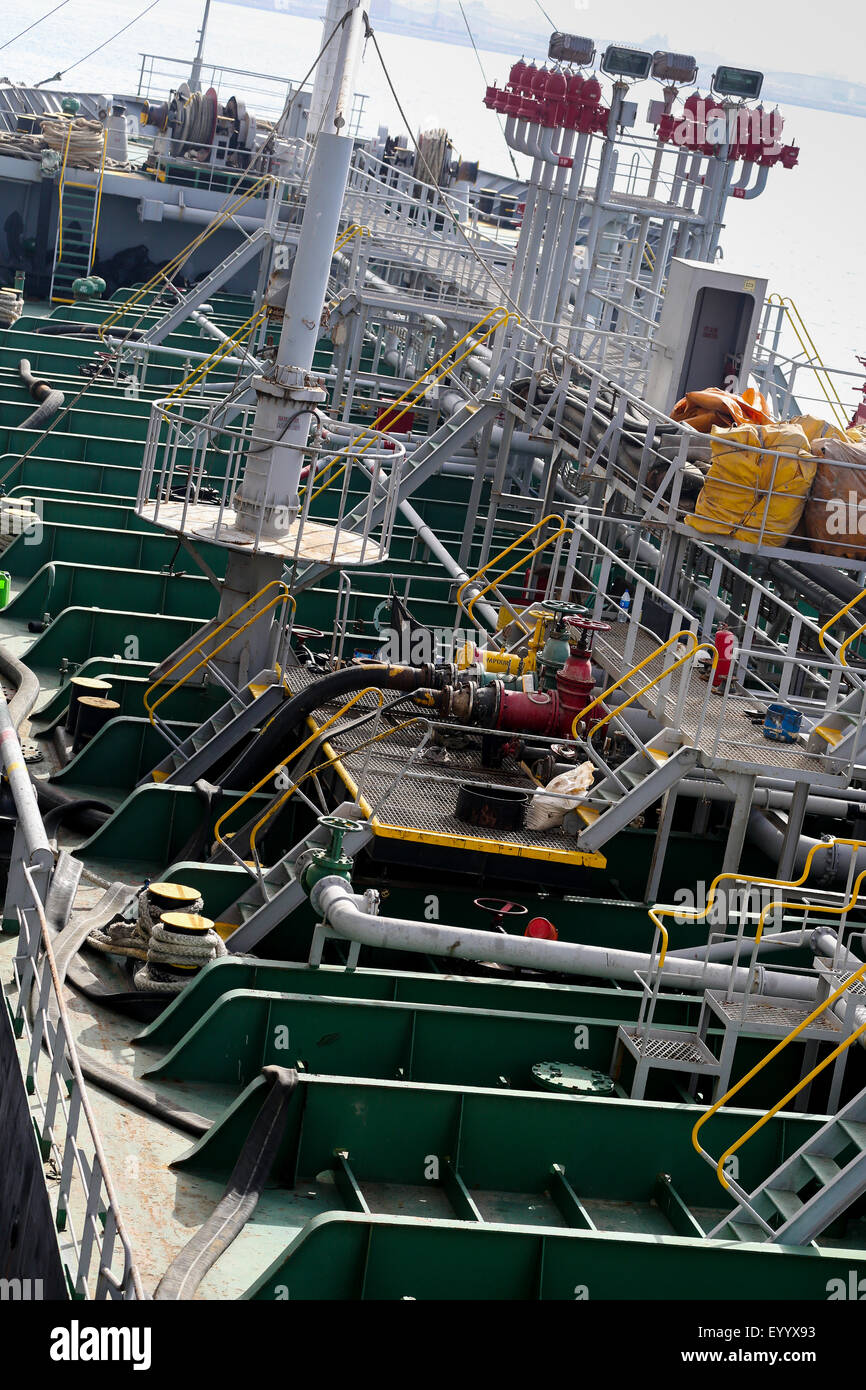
x=84 y=330
x=53 y=819
x=240 y=1199
x=265 y=752
x=86 y=818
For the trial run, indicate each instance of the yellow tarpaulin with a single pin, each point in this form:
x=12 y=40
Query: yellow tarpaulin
x=752 y=496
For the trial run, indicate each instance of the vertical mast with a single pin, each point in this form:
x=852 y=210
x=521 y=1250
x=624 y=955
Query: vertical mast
x=195 y=70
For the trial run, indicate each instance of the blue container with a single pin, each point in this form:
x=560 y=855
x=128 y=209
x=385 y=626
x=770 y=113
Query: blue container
x=782 y=723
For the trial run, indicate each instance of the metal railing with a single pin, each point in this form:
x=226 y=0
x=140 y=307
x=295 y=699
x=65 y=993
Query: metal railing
x=282 y=597
x=272 y=776
x=787 y=310
x=492 y=586
x=266 y=93
x=656 y=680
x=94 y=1244
x=729 y=1183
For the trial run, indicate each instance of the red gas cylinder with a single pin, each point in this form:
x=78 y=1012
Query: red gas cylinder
x=790 y=156
x=515 y=77
x=725 y=644
x=591 y=91
x=529 y=73
x=575 y=86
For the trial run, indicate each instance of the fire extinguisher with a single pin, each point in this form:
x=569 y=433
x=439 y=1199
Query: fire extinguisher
x=725 y=644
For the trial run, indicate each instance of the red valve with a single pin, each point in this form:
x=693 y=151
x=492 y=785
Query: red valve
x=515 y=77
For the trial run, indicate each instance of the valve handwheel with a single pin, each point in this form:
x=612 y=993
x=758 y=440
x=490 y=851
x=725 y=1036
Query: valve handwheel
x=587 y=625
x=500 y=908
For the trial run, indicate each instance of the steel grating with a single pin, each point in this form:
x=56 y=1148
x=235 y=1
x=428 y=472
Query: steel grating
x=670 y=1050
x=423 y=803
x=739 y=740
x=768 y=1012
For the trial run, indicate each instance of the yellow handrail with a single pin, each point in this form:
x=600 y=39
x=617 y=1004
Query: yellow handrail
x=554 y=535
x=369 y=690
x=684 y=632
x=392 y=419
x=311 y=772
x=701 y=646
x=166 y=272
x=98 y=203
x=355 y=229
x=832 y=621
x=805 y=1081
x=60 y=194
x=804 y=338
x=657 y=911
x=213 y=359
x=282 y=597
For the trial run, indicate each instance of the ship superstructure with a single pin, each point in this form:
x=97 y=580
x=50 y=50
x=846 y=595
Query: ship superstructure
x=435 y=708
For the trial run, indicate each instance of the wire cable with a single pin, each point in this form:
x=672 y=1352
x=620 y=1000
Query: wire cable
x=506 y=296
x=57 y=76
x=16 y=37
x=546 y=15
x=487 y=84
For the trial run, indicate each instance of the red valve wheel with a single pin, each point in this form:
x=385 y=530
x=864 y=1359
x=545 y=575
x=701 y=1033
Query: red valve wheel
x=587 y=625
x=500 y=908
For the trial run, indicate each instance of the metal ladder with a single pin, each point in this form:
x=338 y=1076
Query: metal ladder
x=820 y=1181
x=218 y=735
x=75 y=242
x=810 y=1189
x=269 y=900
x=624 y=793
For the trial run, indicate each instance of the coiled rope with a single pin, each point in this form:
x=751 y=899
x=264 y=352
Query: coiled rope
x=166 y=948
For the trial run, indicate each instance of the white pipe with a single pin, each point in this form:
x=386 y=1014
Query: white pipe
x=350 y=917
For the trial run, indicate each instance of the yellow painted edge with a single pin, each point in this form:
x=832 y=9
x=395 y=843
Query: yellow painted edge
x=588 y=814
x=400 y=832
x=159 y=776
x=658 y=754
x=833 y=736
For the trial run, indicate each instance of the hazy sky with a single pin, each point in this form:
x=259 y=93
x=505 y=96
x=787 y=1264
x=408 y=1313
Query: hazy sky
x=792 y=35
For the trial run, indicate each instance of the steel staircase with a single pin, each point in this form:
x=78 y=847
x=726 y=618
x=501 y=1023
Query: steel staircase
x=810 y=1189
x=250 y=246
x=273 y=897
x=839 y=727
x=621 y=795
x=222 y=732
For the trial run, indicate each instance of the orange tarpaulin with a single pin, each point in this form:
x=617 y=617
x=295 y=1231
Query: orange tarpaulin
x=704 y=409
